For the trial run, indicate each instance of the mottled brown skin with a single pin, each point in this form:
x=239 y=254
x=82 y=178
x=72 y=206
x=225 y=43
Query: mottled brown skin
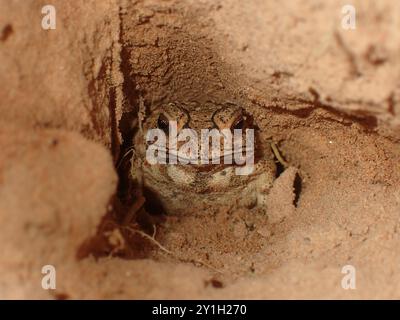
x=179 y=186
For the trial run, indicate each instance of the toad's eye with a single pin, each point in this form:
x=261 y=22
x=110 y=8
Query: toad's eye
x=163 y=123
x=239 y=124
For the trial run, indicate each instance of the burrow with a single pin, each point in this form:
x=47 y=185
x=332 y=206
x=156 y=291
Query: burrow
x=167 y=55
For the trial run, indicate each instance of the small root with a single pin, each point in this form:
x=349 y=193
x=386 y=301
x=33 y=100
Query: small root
x=150 y=238
x=154 y=231
x=130 y=150
x=165 y=250
x=134 y=209
x=278 y=156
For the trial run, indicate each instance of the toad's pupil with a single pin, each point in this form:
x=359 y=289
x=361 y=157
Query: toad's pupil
x=163 y=123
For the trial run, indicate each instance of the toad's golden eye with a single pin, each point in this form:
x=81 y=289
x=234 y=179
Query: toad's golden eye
x=163 y=123
x=173 y=114
x=230 y=117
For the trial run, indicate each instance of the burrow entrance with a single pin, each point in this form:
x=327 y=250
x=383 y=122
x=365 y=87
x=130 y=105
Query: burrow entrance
x=336 y=163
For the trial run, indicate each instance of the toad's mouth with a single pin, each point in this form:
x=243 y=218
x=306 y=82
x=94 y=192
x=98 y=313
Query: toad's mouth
x=236 y=156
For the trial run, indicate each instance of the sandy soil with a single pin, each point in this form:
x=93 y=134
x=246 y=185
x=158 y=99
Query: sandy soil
x=328 y=97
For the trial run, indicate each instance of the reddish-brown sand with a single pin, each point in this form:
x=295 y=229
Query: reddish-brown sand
x=328 y=97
